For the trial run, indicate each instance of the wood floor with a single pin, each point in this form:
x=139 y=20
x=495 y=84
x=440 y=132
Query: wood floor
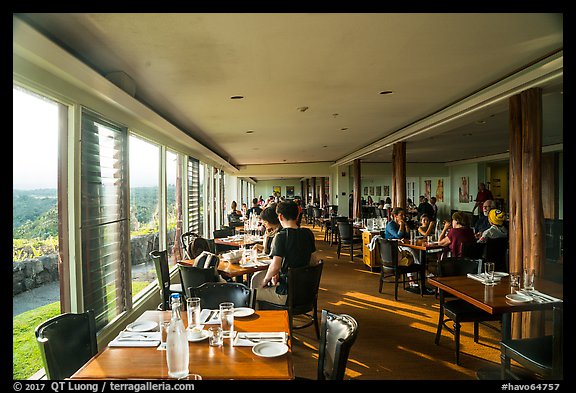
x=396 y=338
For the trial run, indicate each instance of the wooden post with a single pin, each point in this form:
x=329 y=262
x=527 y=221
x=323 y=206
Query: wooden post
x=322 y=192
x=307 y=196
x=399 y=175
x=356 y=169
x=526 y=231
x=314 y=196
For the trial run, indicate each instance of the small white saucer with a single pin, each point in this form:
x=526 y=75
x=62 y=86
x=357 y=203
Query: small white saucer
x=518 y=298
x=243 y=312
x=204 y=336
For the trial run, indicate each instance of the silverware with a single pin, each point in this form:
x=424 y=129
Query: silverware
x=210 y=316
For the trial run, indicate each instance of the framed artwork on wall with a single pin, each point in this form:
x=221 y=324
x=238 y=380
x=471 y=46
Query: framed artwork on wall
x=277 y=191
x=427 y=188
x=463 y=190
x=379 y=190
x=440 y=191
x=290 y=191
x=371 y=190
x=366 y=190
x=386 y=191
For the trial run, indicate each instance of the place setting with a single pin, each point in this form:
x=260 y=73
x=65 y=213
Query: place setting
x=264 y=344
x=489 y=276
x=527 y=293
x=138 y=334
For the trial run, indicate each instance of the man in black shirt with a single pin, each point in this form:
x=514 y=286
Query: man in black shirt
x=291 y=247
x=255 y=209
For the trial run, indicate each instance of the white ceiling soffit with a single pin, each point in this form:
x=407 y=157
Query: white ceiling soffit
x=536 y=75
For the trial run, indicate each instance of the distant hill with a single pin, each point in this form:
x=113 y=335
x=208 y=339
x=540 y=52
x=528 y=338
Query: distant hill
x=35 y=212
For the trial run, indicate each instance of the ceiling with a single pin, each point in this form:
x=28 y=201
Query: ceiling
x=186 y=67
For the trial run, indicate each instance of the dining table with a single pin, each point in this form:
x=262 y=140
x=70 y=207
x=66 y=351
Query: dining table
x=492 y=298
x=239 y=241
x=226 y=362
x=239 y=272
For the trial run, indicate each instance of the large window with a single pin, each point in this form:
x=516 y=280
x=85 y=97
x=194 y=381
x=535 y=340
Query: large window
x=144 y=210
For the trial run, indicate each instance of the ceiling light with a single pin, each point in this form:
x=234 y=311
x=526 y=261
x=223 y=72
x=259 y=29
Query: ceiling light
x=250 y=132
x=384 y=92
x=344 y=128
x=236 y=97
x=303 y=108
x=481 y=122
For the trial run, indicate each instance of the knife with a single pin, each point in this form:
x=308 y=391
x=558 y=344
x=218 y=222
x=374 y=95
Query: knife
x=210 y=316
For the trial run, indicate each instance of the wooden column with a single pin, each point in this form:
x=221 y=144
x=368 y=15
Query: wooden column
x=302 y=196
x=526 y=212
x=322 y=192
x=307 y=197
x=356 y=170
x=399 y=175
x=314 y=195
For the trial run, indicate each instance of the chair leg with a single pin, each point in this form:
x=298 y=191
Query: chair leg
x=381 y=283
x=396 y=277
x=316 y=322
x=439 y=327
x=457 y=342
x=476 y=332
x=339 y=248
x=352 y=251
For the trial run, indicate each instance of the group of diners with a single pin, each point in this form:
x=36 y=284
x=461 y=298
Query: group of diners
x=452 y=233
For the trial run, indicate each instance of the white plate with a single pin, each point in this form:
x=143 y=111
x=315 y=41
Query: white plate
x=518 y=298
x=205 y=335
x=142 y=326
x=270 y=349
x=243 y=312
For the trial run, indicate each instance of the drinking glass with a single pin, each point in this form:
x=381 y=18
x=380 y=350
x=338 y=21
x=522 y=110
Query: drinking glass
x=215 y=336
x=514 y=282
x=429 y=238
x=193 y=309
x=163 y=325
x=489 y=273
x=227 y=319
x=529 y=279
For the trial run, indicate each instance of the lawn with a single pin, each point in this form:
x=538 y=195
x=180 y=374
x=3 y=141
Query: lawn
x=26 y=356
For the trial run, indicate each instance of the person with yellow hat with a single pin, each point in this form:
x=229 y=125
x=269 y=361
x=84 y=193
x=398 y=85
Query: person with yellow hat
x=496 y=217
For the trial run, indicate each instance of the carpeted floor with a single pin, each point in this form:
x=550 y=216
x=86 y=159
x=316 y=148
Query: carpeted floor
x=396 y=338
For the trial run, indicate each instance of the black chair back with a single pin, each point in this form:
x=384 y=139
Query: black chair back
x=66 y=343
x=338 y=334
x=223 y=232
x=473 y=250
x=302 y=299
x=193 y=245
x=497 y=252
x=163 y=275
x=457 y=266
x=389 y=254
x=345 y=231
x=193 y=276
x=211 y=294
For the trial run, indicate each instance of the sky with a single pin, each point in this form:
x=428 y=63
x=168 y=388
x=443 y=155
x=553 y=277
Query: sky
x=35 y=148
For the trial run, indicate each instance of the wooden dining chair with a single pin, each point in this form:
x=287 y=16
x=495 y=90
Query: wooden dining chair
x=459 y=311
x=66 y=342
x=338 y=334
x=347 y=238
x=542 y=356
x=392 y=272
x=194 y=276
x=163 y=275
x=211 y=294
x=302 y=299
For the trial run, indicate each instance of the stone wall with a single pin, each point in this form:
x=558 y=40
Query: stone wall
x=33 y=273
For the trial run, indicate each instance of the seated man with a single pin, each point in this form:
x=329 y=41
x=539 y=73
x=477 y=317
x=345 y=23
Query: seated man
x=482 y=223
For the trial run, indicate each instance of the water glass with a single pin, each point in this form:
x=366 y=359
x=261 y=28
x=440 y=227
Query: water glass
x=514 y=282
x=528 y=279
x=489 y=273
x=193 y=309
x=412 y=235
x=227 y=319
x=163 y=325
x=429 y=238
x=215 y=336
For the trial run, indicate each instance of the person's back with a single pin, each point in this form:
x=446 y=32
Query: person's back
x=459 y=236
x=255 y=209
x=497 y=229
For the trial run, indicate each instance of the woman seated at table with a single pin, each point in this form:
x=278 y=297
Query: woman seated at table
x=270 y=221
x=291 y=247
x=426 y=227
x=234 y=215
x=397 y=227
x=454 y=234
x=497 y=229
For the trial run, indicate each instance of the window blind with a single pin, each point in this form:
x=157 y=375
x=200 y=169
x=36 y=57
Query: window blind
x=104 y=218
x=194 y=216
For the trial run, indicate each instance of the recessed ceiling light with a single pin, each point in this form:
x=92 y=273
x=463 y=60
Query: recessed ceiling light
x=344 y=128
x=481 y=122
x=467 y=134
x=325 y=146
x=250 y=132
x=236 y=97
x=303 y=109
x=384 y=92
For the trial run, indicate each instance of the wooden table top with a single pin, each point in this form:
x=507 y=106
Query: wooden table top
x=225 y=362
x=492 y=299
x=231 y=270
x=238 y=243
x=420 y=244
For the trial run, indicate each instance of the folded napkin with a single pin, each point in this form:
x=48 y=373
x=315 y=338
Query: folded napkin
x=249 y=339
x=540 y=296
x=136 y=339
x=482 y=277
x=210 y=317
